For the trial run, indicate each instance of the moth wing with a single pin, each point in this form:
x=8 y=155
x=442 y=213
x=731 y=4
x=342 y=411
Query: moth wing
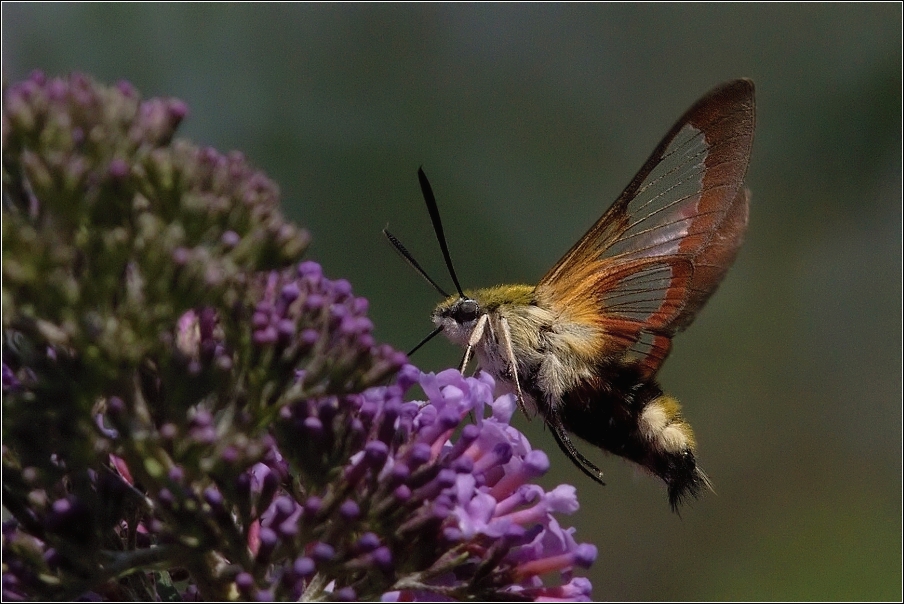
x=653 y=259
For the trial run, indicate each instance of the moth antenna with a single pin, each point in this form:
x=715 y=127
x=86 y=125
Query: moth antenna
x=406 y=255
x=437 y=225
x=425 y=340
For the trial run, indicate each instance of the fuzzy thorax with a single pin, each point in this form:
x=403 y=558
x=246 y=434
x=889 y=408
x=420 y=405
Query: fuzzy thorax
x=508 y=329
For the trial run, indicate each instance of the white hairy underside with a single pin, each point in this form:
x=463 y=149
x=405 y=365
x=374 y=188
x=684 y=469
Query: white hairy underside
x=543 y=350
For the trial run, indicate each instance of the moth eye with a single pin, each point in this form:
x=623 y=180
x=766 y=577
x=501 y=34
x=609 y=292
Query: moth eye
x=466 y=311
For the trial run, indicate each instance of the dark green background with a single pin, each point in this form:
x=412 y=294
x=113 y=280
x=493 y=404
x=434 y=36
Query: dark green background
x=529 y=120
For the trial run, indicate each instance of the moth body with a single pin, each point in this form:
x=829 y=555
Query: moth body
x=568 y=374
x=582 y=347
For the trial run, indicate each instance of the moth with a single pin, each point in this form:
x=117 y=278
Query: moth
x=582 y=347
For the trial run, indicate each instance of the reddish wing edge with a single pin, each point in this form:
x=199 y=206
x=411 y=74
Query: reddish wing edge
x=653 y=259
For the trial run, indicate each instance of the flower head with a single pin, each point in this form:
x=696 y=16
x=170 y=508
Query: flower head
x=191 y=411
x=441 y=507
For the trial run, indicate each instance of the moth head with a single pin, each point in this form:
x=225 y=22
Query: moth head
x=457 y=316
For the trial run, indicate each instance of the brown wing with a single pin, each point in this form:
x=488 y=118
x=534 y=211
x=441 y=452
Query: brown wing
x=654 y=258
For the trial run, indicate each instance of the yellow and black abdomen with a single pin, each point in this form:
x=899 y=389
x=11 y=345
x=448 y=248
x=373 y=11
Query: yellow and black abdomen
x=624 y=413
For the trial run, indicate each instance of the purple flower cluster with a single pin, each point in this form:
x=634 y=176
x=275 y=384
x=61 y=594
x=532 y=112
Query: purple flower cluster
x=318 y=332
x=191 y=412
x=428 y=505
x=113 y=228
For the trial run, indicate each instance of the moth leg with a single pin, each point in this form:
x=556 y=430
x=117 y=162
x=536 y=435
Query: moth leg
x=474 y=338
x=562 y=439
x=492 y=331
x=464 y=361
x=513 y=364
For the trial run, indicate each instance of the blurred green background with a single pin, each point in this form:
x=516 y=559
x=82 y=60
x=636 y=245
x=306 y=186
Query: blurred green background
x=529 y=120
